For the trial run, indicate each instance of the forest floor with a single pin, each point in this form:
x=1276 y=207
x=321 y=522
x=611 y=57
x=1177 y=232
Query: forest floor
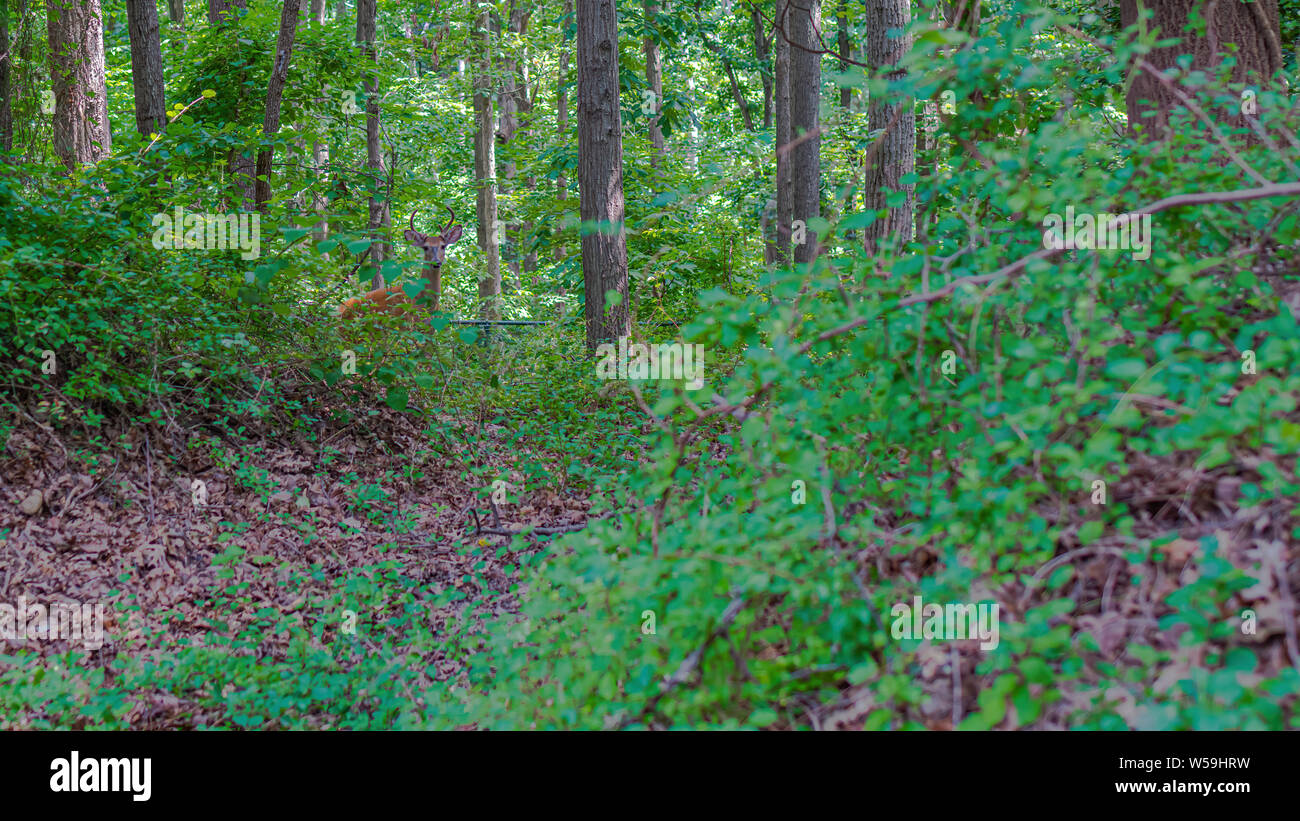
x=152 y=520
x=197 y=531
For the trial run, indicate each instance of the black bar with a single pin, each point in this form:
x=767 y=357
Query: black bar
x=343 y=772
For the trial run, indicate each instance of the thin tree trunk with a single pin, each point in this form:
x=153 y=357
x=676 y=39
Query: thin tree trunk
x=274 y=93
x=514 y=99
x=762 y=55
x=737 y=92
x=805 y=100
x=842 y=40
x=895 y=149
x=527 y=96
x=784 y=180
x=562 y=120
x=320 y=153
x=600 y=173
x=845 y=47
x=146 y=66
x=6 y=60
x=378 y=206
x=81 y=128
x=176 y=14
x=489 y=284
x=26 y=79
x=927 y=160
x=654 y=77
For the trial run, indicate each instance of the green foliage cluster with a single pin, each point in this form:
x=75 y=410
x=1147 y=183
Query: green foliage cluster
x=972 y=482
x=955 y=487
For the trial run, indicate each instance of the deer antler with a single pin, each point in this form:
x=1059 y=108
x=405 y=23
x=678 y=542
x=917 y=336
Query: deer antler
x=450 y=221
x=413 y=213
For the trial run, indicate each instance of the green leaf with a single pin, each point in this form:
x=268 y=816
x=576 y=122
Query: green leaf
x=1090 y=531
x=1126 y=369
x=862 y=219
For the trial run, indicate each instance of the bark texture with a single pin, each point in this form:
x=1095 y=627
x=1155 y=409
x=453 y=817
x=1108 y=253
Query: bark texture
x=600 y=172
x=784 y=188
x=1252 y=28
x=805 y=102
x=274 y=94
x=893 y=154
x=81 y=128
x=489 y=284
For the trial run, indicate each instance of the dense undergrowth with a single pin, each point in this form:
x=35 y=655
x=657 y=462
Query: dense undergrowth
x=1105 y=446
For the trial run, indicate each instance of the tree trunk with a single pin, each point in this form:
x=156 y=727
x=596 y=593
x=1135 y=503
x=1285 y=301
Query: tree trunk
x=654 y=77
x=562 y=119
x=489 y=284
x=527 y=96
x=320 y=154
x=600 y=172
x=146 y=66
x=927 y=160
x=274 y=93
x=81 y=128
x=218 y=10
x=378 y=205
x=762 y=56
x=784 y=180
x=842 y=41
x=6 y=60
x=805 y=99
x=514 y=99
x=176 y=14
x=893 y=154
x=1252 y=28
x=26 y=79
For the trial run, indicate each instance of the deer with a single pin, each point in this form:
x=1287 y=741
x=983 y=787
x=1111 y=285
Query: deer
x=393 y=299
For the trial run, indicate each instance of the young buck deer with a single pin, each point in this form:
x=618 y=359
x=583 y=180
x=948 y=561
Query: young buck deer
x=393 y=299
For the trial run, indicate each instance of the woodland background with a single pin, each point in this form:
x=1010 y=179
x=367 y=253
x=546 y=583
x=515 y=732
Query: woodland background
x=842 y=201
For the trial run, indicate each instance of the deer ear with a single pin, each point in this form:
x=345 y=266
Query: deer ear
x=452 y=234
x=413 y=236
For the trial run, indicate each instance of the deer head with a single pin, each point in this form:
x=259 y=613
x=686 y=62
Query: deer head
x=434 y=246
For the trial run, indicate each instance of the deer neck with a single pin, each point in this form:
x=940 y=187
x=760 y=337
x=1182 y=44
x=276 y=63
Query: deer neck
x=433 y=281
